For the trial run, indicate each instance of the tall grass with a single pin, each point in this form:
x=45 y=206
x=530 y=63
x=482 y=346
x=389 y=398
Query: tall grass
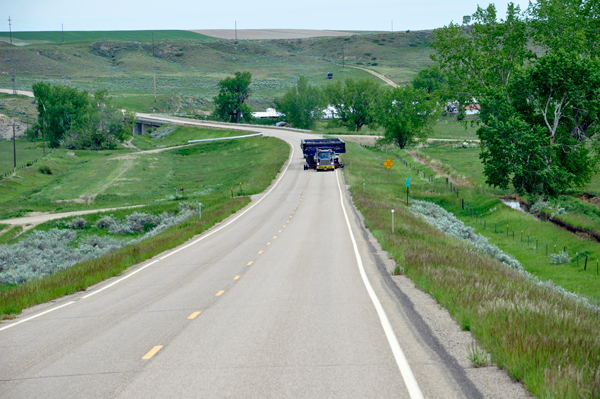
x=543 y=339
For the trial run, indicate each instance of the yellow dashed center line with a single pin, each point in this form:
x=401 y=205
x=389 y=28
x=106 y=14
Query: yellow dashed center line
x=152 y=352
x=279 y=231
x=194 y=315
x=268 y=243
x=284 y=225
x=249 y=263
x=237 y=277
x=274 y=237
x=260 y=252
x=219 y=293
x=288 y=221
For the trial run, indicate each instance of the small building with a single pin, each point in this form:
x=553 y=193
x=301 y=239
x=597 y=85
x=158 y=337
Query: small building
x=472 y=109
x=270 y=113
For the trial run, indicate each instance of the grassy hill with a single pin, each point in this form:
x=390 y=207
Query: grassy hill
x=76 y=36
x=190 y=67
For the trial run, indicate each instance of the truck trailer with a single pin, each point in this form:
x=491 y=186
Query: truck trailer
x=322 y=154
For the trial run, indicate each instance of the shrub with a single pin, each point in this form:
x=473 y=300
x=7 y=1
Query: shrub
x=77 y=223
x=559 y=258
x=538 y=206
x=45 y=170
x=45 y=252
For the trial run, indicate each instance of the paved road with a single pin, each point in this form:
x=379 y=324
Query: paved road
x=271 y=303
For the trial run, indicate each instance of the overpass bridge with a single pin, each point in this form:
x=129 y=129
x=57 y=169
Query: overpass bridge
x=143 y=124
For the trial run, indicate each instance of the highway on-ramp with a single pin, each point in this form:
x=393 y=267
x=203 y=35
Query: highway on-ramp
x=284 y=299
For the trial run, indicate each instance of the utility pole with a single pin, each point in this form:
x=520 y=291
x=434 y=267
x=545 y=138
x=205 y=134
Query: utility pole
x=44 y=135
x=14 y=148
x=62 y=28
x=154 y=86
x=153 y=45
x=235 y=30
x=10 y=29
x=14 y=81
x=392 y=26
x=343 y=57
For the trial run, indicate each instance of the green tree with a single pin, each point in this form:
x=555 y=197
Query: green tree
x=355 y=102
x=302 y=105
x=431 y=79
x=484 y=55
x=233 y=92
x=539 y=114
x=58 y=108
x=406 y=113
x=542 y=134
x=567 y=25
x=101 y=127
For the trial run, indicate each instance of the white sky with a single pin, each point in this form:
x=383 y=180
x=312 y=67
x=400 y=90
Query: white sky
x=40 y=15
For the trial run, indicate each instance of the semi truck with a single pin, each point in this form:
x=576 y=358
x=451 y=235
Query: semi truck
x=322 y=154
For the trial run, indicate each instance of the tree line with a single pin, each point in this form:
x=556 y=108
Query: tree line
x=404 y=112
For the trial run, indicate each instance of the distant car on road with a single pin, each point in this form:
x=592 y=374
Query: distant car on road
x=281 y=124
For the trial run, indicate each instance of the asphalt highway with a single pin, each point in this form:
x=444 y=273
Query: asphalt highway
x=285 y=299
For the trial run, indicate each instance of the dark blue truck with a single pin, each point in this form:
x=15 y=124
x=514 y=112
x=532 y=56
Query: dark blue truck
x=322 y=154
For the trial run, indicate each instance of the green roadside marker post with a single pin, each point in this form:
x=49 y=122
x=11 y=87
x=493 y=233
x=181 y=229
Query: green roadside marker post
x=407 y=189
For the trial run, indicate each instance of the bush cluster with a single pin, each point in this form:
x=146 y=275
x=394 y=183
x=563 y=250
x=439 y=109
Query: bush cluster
x=559 y=258
x=45 y=170
x=46 y=252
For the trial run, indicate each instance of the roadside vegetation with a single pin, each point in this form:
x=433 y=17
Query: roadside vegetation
x=64 y=256
x=542 y=337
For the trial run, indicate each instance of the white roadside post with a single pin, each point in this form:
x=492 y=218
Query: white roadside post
x=392 y=221
x=199 y=211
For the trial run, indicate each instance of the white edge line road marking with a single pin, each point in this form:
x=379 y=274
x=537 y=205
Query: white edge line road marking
x=407 y=374
x=37 y=315
x=202 y=237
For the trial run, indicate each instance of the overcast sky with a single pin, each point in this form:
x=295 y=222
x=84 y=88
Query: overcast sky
x=40 y=15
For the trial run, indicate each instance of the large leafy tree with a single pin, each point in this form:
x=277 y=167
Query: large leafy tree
x=355 y=102
x=58 y=108
x=431 y=79
x=230 y=102
x=406 y=113
x=101 y=127
x=483 y=55
x=544 y=139
x=302 y=105
x=566 y=25
x=539 y=114
x=74 y=119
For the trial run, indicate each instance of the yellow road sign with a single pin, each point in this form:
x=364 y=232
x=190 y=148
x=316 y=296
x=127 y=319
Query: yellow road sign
x=388 y=163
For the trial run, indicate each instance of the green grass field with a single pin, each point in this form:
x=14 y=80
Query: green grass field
x=99 y=179
x=449 y=128
x=77 y=36
x=540 y=337
x=26 y=152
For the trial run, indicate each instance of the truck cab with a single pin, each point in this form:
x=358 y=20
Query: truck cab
x=325 y=160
